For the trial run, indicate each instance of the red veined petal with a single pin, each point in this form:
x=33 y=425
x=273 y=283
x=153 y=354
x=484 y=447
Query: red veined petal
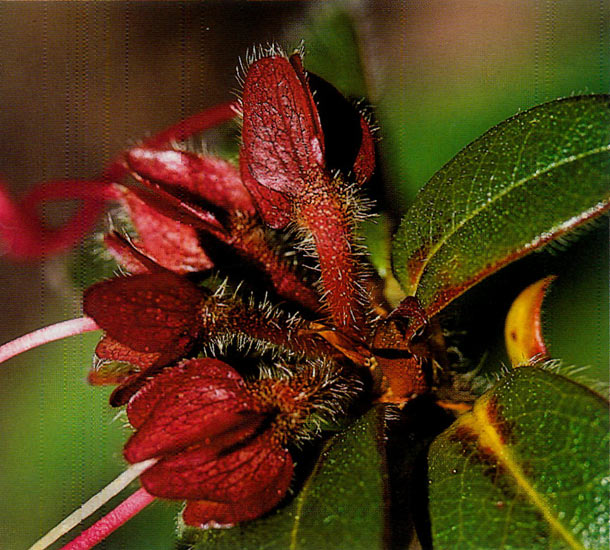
x=172 y=244
x=187 y=407
x=178 y=208
x=364 y=166
x=214 y=180
x=204 y=513
x=283 y=144
x=128 y=255
x=157 y=312
x=273 y=207
x=201 y=473
x=141 y=405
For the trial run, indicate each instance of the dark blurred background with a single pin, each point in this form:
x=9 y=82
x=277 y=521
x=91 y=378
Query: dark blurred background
x=81 y=81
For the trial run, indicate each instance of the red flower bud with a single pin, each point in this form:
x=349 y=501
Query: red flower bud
x=209 y=180
x=284 y=164
x=207 y=431
x=155 y=313
x=170 y=243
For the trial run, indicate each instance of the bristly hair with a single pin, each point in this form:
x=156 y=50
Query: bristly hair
x=252 y=55
x=580 y=375
x=325 y=389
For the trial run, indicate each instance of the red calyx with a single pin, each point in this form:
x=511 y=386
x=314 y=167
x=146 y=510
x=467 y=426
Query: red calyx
x=208 y=432
x=148 y=318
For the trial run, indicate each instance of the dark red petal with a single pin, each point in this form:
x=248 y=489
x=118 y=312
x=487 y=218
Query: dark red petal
x=128 y=255
x=164 y=384
x=349 y=142
x=188 y=407
x=273 y=207
x=202 y=474
x=172 y=244
x=214 y=180
x=175 y=207
x=364 y=166
x=207 y=513
x=157 y=312
x=283 y=144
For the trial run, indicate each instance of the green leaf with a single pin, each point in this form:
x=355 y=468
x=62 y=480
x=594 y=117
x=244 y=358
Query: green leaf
x=333 y=52
x=527 y=468
x=341 y=505
x=524 y=183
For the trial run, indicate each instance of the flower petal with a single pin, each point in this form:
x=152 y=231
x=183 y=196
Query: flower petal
x=202 y=473
x=198 y=401
x=212 y=180
x=283 y=143
x=206 y=513
x=170 y=243
x=273 y=207
x=157 y=312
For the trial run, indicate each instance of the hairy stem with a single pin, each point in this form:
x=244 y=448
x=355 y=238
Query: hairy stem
x=265 y=325
x=327 y=216
x=250 y=242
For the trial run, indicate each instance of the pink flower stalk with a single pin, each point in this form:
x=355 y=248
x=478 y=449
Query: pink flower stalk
x=25 y=236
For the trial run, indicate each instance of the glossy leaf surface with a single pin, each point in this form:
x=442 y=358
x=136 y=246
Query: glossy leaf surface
x=341 y=505
x=524 y=183
x=527 y=468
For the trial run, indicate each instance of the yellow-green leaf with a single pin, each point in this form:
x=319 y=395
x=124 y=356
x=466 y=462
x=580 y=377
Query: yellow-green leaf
x=526 y=469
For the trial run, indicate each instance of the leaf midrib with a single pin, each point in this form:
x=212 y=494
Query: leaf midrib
x=300 y=500
x=489 y=437
x=508 y=189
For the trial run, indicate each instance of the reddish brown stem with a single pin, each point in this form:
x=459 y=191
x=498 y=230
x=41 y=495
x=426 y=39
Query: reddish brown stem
x=250 y=242
x=325 y=214
x=236 y=318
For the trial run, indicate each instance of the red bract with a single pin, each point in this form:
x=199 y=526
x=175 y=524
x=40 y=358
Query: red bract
x=149 y=319
x=206 y=430
x=283 y=163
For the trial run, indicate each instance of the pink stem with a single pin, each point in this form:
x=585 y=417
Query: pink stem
x=25 y=235
x=46 y=334
x=111 y=521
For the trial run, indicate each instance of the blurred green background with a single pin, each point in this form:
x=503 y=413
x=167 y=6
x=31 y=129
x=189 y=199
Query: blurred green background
x=80 y=81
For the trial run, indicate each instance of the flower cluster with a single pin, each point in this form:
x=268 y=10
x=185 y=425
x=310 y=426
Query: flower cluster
x=217 y=440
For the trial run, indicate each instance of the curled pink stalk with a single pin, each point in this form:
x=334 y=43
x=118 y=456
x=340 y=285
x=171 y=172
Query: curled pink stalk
x=186 y=128
x=25 y=236
x=51 y=333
